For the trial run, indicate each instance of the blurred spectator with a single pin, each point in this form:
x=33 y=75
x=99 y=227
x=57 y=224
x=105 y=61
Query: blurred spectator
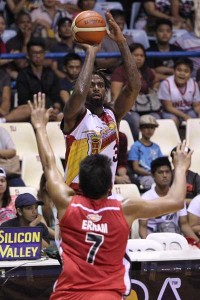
x=18 y=43
x=193 y=182
x=122 y=175
x=45 y=18
x=66 y=44
x=33 y=79
x=12 y=8
x=5 y=93
x=144 y=151
x=27 y=215
x=163 y=33
x=7 y=206
x=3 y=49
x=190 y=41
x=24 y=33
x=155 y=9
x=194 y=215
x=70 y=6
x=108 y=45
x=72 y=67
x=86 y=4
x=48 y=210
x=9 y=160
x=182 y=10
x=179 y=94
x=148 y=80
x=173 y=222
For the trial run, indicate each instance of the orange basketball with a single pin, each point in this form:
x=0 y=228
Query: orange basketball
x=89 y=27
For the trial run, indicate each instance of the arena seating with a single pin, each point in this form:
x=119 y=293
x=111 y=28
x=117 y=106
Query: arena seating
x=125 y=128
x=143 y=245
x=56 y=139
x=23 y=136
x=32 y=169
x=170 y=240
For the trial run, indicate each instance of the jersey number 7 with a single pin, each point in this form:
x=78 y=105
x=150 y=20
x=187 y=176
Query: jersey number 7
x=96 y=240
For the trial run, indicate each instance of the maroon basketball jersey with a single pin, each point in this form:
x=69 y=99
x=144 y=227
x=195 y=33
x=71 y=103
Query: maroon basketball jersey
x=94 y=236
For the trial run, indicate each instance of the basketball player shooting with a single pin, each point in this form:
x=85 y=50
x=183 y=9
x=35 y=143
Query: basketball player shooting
x=89 y=124
x=94 y=229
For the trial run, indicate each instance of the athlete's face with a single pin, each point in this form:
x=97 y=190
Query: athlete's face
x=97 y=92
x=182 y=74
x=163 y=176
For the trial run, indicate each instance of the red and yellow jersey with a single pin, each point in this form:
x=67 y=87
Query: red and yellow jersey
x=92 y=135
x=94 y=235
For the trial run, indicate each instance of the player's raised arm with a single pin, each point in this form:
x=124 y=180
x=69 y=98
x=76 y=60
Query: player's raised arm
x=75 y=106
x=56 y=187
x=173 y=201
x=128 y=95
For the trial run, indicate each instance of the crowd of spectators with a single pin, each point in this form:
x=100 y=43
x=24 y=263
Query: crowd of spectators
x=38 y=27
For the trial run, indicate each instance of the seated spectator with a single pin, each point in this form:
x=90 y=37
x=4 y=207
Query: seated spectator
x=27 y=215
x=3 y=49
x=18 y=43
x=108 y=45
x=122 y=174
x=173 y=222
x=144 y=151
x=48 y=210
x=193 y=182
x=12 y=8
x=148 y=80
x=5 y=93
x=72 y=67
x=190 y=41
x=183 y=11
x=7 y=206
x=24 y=33
x=194 y=215
x=33 y=79
x=9 y=160
x=66 y=44
x=163 y=34
x=45 y=18
x=179 y=94
x=154 y=10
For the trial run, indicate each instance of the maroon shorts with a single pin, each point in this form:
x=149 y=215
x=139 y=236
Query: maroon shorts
x=90 y=295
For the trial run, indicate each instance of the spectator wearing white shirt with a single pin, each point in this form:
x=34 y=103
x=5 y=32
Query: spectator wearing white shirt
x=194 y=214
x=175 y=222
x=180 y=94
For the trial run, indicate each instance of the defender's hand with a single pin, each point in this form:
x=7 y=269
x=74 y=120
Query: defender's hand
x=39 y=114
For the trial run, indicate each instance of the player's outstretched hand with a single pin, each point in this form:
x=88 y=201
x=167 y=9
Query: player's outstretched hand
x=39 y=114
x=114 y=32
x=182 y=156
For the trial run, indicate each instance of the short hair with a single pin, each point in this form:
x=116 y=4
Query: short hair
x=62 y=21
x=184 y=61
x=160 y=22
x=36 y=42
x=95 y=176
x=117 y=13
x=72 y=56
x=160 y=162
